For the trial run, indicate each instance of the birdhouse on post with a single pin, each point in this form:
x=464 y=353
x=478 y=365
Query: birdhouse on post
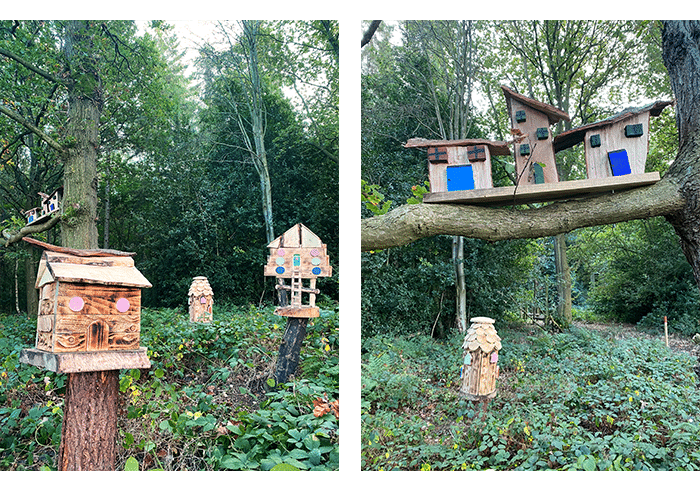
x=480 y=367
x=460 y=165
x=533 y=148
x=89 y=303
x=201 y=300
x=298 y=255
x=617 y=145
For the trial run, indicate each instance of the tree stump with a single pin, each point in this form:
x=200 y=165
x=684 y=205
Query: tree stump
x=88 y=436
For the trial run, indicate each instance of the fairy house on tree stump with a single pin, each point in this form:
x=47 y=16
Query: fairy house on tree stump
x=201 y=300
x=480 y=368
x=617 y=145
x=90 y=302
x=298 y=255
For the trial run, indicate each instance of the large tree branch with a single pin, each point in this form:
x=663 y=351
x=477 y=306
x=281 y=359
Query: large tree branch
x=9 y=239
x=36 y=130
x=409 y=223
x=370 y=32
x=31 y=67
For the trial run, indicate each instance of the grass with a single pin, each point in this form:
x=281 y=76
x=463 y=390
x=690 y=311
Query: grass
x=576 y=400
x=207 y=403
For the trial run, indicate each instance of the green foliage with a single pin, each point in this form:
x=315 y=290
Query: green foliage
x=627 y=288
x=577 y=400
x=203 y=405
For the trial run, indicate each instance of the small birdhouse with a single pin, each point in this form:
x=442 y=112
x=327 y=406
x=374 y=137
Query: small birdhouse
x=534 y=151
x=90 y=300
x=298 y=255
x=617 y=145
x=460 y=165
x=480 y=364
x=201 y=300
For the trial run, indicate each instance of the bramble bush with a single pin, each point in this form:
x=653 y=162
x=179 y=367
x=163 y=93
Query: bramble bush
x=576 y=400
x=208 y=402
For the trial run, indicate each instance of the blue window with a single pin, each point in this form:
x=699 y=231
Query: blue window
x=460 y=178
x=619 y=162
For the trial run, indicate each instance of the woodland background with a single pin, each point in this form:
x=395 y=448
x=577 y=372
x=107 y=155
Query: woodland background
x=177 y=183
x=586 y=380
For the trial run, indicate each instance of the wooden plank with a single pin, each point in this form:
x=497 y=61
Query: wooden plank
x=98 y=252
x=76 y=362
x=543 y=192
x=97 y=299
x=298 y=312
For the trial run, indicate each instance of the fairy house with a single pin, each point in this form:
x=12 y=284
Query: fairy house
x=460 y=165
x=90 y=300
x=533 y=148
x=201 y=300
x=298 y=255
x=617 y=145
x=480 y=368
x=50 y=203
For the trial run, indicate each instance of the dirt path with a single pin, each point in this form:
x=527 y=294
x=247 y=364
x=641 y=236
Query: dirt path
x=621 y=331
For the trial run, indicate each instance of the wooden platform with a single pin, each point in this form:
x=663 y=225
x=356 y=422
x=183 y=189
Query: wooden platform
x=96 y=361
x=535 y=193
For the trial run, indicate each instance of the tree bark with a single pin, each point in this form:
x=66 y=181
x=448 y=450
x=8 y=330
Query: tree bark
x=29 y=281
x=681 y=54
x=88 y=436
x=290 y=349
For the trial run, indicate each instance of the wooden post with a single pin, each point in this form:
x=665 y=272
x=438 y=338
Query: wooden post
x=290 y=349
x=666 y=330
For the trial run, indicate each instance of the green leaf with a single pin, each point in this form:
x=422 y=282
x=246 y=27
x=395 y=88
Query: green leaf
x=284 y=466
x=131 y=464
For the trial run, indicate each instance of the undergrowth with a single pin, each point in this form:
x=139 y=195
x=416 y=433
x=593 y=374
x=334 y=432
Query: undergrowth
x=577 y=400
x=208 y=402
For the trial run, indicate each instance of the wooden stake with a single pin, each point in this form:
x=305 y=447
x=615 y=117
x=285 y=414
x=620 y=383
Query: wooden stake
x=666 y=330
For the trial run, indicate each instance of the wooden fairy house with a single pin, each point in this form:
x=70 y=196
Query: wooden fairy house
x=50 y=204
x=201 y=300
x=480 y=368
x=617 y=145
x=298 y=255
x=459 y=165
x=534 y=145
x=90 y=300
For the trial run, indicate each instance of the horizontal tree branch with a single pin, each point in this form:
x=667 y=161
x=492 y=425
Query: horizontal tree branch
x=7 y=240
x=31 y=67
x=409 y=223
x=33 y=128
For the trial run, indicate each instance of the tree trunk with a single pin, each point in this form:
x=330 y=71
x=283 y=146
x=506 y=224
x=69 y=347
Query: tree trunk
x=460 y=284
x=561 y=263
x=90 y=417
x=88 y=436
x=290 y=349
x=29 y=282
x=681 y=53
